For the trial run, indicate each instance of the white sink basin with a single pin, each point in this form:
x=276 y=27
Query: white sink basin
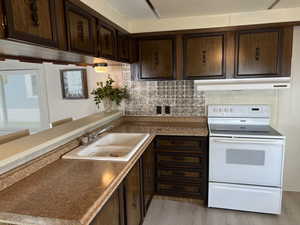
x=111 y=147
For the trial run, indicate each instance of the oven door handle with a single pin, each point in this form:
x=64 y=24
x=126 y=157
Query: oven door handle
x=249 y=142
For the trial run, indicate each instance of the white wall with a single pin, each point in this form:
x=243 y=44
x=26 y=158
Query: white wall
x=53 y=106
x=60 y=108
x=285 y=112
x=289 y=120
x=222 y=20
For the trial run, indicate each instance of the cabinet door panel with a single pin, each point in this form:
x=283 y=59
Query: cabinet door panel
x=112 y=211
x=157 y=59
x=204 y=56
x=123 y=47
x=148 y=176
x=258 y=53
x=81 y=27
x=107 y=42
x=133 y=196
x=32 y=21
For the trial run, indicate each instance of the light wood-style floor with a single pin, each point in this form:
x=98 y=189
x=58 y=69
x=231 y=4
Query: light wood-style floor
x=170 y=212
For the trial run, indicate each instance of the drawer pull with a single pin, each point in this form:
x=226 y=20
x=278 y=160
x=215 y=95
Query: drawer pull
x=178 y=158
x=177 y=173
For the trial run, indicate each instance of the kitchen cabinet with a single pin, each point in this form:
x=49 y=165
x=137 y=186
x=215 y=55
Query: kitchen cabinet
x=31 y=21
x=123 y=47
x=133 y=185
x=157 y=58
x=112 y=212
x=107 y=42
x=182 y=166
x=81 y=28
x=148 y=160
x=259 y=53
x=203 y=56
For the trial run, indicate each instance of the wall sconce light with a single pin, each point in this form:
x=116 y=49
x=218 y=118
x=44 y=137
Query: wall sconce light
x=100 y=67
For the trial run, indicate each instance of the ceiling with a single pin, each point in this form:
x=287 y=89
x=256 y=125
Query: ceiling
x=133 y=9
x=138 y=9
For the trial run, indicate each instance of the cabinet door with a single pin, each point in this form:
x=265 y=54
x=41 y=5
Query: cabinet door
x=31 y=21
x=258 y=53
x=123 y=47
x=157 y=59
x=148 y=160
x=133 y=196
x=107 y=42
x=112 y=212
x=204 y=56
x=81 y=29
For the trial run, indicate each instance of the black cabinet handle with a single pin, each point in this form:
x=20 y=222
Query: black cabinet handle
x=203 y=56
x=257 y=54
x=34 y=12
x=156 y=58
x=80 y=32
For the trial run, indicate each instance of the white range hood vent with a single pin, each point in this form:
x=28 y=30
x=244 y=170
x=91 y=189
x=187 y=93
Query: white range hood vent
x=243 y=84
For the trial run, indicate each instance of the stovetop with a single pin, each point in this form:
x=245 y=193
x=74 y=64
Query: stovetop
x=261 y=131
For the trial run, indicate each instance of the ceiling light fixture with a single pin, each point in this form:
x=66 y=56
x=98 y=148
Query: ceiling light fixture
x=274 y=4
x=100 y=67
x=153 y=9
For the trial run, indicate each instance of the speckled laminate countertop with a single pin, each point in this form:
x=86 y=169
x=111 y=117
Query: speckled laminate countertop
x=72 y=192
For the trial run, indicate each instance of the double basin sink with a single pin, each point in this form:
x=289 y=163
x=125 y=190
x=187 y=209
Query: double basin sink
x=110 y=147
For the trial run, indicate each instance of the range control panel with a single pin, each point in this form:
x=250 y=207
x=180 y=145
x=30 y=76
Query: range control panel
x=237 y=111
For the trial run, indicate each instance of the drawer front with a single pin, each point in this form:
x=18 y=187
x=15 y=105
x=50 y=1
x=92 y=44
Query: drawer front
x=179 y=188
x=179 y=174
x=180 y=143
x=169 y=159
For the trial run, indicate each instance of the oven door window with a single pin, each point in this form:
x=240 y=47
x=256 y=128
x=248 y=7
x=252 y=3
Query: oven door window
x=245 y=157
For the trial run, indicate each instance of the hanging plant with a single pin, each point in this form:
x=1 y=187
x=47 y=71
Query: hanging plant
x=109 y=93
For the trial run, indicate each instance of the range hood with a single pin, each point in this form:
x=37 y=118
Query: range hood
x=243 y=84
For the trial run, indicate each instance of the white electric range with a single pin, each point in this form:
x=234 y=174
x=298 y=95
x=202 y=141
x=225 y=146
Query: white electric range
x=246 y=158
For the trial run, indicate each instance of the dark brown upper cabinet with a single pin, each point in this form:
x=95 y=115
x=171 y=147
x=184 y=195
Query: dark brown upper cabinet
x=259 y=53
x=123 y=47
x=81 y=29
x=157 y=58
x=203 y=56
x=133 y=201
x=31 y=21
x=107 y=42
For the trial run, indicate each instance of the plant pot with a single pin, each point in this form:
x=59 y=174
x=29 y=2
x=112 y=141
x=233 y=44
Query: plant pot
x=107 y=105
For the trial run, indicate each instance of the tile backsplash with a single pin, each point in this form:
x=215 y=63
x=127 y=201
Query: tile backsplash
x=145 y=96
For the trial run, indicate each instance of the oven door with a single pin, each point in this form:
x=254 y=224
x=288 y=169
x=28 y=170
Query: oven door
x=246 y=161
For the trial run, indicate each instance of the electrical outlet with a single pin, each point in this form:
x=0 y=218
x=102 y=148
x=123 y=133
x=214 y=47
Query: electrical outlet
x=158 y=110
x=167 y=109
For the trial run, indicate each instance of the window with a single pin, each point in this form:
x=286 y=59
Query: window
x=31 y=86
x=20 y=100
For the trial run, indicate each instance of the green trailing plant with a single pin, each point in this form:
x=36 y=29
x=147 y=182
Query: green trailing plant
x=108 y=91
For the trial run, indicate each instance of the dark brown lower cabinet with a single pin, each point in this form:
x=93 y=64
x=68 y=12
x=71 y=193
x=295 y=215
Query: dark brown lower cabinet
x=133 y=197
x=113 y=211
x=148 y=162
x=182 y=166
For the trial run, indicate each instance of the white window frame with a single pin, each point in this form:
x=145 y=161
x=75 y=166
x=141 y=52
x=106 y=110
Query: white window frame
x=13 y=65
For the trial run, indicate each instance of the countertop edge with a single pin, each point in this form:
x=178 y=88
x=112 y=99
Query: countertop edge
x=30 y=154
x=27 y=219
